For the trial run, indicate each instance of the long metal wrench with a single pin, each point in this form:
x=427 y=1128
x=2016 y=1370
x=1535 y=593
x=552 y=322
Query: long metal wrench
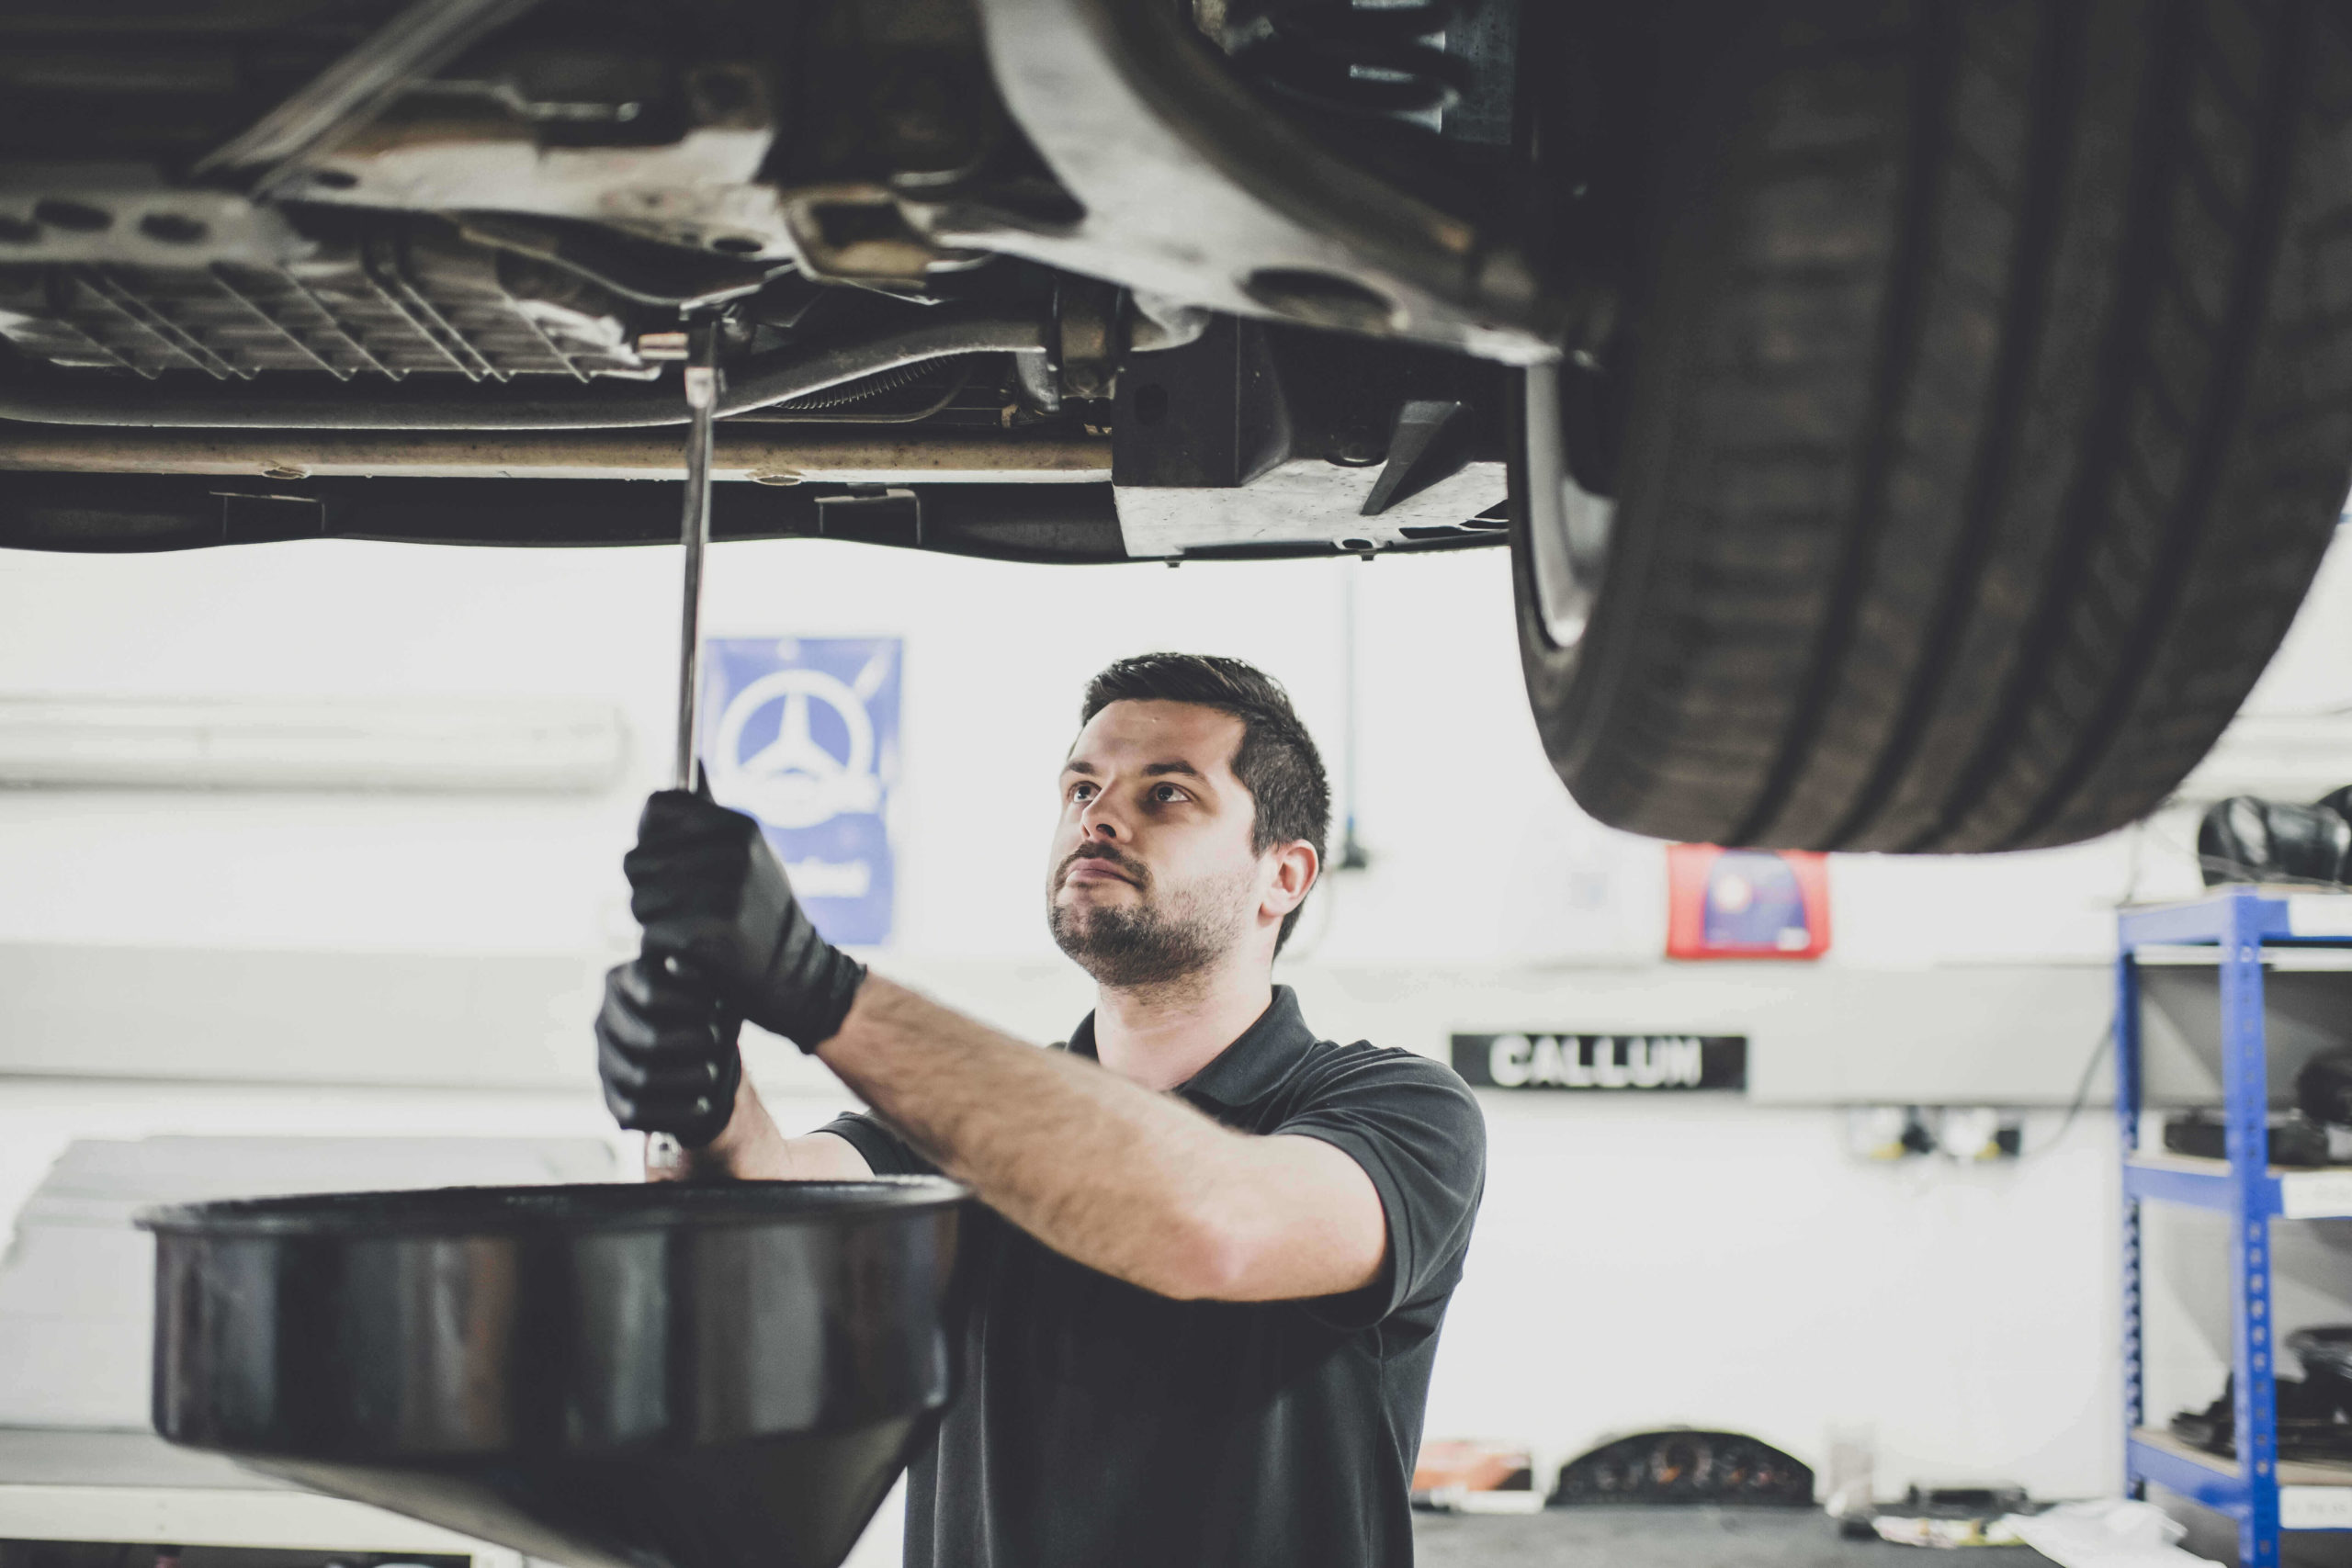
x=701 y=397
x=663 y=1155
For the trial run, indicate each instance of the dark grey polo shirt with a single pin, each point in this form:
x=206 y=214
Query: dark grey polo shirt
x=1101 y=1425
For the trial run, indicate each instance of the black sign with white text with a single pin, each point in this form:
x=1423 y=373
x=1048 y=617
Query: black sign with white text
x=1633 y=1064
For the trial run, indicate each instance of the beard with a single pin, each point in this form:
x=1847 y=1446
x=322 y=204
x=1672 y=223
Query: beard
x=1162 y=940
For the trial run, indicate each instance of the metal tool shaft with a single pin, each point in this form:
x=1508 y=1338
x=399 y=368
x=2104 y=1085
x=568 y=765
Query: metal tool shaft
x=664 y=1158
x=701 y=397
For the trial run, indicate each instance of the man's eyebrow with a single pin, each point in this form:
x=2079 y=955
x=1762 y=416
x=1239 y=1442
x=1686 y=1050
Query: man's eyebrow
x=1150 y=769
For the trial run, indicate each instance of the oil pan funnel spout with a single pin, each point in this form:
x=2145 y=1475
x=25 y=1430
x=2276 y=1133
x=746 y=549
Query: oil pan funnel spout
x=611 y=1376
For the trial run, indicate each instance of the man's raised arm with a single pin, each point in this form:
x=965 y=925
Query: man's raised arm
x=1139 y=1185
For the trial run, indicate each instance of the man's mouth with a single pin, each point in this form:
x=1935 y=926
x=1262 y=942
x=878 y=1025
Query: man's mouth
x=1095 y=868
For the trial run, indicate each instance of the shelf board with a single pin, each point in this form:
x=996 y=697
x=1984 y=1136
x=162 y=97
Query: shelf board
x=2311 y=957
x=2186 y=1165
x=2322 y=1194
x=2270 y=915
x=2191 y=1182
x=2314 y=1494
x=2291 y=1471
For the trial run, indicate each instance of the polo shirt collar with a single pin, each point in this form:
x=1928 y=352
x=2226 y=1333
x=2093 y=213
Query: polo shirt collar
x=1247 y=1070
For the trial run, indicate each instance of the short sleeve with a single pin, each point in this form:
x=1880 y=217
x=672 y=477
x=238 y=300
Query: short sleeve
x=885 y=1153
x=1416 y=1129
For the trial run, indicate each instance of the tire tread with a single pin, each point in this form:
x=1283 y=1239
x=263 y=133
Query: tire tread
x=2001 y=410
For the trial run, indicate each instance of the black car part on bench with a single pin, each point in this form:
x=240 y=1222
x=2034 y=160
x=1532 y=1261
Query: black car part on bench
x=1684 y=1465
x=2245 y=839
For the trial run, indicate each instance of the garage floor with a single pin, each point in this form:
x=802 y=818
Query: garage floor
x=1671 y=1537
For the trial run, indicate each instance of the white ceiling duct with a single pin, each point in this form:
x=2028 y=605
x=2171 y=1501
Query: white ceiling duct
x=2279 y=756
x=405 y=745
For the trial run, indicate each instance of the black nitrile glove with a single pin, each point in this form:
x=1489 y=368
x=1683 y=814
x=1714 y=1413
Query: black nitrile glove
x=707 y=890
x=665 y=1048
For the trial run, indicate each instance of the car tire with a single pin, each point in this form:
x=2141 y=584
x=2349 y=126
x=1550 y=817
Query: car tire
x=1979 y=409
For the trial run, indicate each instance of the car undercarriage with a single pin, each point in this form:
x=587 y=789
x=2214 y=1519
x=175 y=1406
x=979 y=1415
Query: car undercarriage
x=1913 y=426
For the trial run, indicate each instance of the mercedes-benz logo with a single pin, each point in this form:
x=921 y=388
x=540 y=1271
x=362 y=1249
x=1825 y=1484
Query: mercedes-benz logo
x=795 y=781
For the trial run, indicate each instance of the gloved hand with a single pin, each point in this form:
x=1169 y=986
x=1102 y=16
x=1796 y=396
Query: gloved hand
x=665 y=1048
x=707 y=890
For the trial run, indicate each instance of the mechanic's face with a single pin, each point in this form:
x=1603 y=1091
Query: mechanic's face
x=1152 y=877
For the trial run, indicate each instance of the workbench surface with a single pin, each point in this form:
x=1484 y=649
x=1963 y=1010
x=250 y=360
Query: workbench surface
x=52 y=1456
x=1618 y=1537
x=1630 y=1536
x=71 y=1485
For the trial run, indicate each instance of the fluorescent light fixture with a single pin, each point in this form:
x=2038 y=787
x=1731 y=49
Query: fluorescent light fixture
x=556 y=746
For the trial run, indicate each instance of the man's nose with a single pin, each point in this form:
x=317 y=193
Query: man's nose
x=1097 y=821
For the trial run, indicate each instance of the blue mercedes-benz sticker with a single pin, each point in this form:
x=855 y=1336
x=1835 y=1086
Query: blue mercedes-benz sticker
x=802 y=734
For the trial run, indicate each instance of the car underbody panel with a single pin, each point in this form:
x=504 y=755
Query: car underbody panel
x=1913 y=425
x=280 y=249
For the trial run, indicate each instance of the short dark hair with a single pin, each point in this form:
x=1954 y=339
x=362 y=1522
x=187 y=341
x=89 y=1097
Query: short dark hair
x=1276 y=761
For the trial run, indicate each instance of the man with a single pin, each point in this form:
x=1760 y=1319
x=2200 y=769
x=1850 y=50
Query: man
x=1216 y=1251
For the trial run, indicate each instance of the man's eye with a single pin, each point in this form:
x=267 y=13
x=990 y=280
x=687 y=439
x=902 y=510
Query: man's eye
x=1168 y=793
x=1082 y=792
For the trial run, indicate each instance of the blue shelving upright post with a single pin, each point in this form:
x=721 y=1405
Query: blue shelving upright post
x=2245 y=1091
x=2238 y=924
x=2127 y=1131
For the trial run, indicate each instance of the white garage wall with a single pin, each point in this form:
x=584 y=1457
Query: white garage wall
x=1724 y=1264
x=1730 y=1267
x=1482 y=857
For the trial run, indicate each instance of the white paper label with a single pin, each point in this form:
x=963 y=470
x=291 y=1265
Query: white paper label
x=2319 y=914
x=2315 y=1507
x=2316 y=1195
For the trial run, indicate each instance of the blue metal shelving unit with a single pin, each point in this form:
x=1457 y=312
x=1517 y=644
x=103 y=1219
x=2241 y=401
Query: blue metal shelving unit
x=2240 y=923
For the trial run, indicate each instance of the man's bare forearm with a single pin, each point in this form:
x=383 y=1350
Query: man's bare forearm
x=1136 y=1184
x=753 y=1149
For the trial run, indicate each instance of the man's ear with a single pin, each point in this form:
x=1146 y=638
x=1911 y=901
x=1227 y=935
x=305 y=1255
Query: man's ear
x=1296 y=867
